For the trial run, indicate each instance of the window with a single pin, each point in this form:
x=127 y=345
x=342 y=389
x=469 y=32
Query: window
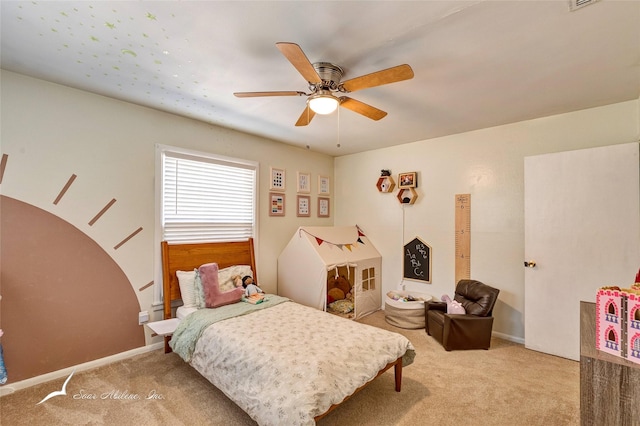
x=368 y=279
x=206 y=198
x=203 y=197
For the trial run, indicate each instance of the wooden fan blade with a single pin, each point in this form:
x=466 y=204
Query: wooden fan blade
x=299 y=60
x=257 y=94
x=362 y=108
x=378 y=78
x=306 y=117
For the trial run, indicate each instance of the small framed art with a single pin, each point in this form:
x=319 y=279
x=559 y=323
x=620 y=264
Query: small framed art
x=323 y=185
x=304 y=183
x=276 y=204
x=323 y=207
x=277 y=179
x=304 y=206
x=408 y=180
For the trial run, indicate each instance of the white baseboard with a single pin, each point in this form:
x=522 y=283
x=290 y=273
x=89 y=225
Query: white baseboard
x=12 y=387
x=508 y=337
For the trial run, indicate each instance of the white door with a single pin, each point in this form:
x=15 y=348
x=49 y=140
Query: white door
x=582 y=230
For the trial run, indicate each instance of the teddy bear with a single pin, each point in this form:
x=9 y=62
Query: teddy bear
x=339 y=282
x=453 y=306
x=335 y=294
x=338 y=288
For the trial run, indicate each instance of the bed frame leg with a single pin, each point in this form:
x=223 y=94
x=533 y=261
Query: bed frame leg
x=398 y=372
x=397 y=368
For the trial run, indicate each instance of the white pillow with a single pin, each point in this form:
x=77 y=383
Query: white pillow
x=186 y=280
x=225 y=276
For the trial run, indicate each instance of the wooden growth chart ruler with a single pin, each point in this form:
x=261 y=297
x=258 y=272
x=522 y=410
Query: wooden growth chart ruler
x=463 y=237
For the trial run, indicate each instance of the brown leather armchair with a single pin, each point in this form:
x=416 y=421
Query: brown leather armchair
x=471 y=330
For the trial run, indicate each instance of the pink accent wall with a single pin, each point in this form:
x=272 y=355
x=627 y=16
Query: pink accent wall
x=64 y=299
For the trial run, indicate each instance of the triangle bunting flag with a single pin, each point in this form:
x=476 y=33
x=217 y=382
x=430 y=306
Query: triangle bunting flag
x=349 y=246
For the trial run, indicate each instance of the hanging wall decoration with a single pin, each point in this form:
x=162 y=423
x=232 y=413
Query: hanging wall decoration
x=304 y=183
x=324 y=207
x=407 y=182
x=276 y=204
x=323 y=185
x=385 y=181
x=277 y=179
x=417 y=261
x=304 y=206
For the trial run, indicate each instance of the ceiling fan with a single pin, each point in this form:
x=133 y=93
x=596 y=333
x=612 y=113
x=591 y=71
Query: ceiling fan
x=324 y=83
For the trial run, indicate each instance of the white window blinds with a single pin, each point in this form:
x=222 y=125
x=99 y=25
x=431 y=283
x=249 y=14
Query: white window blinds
x=207 y=199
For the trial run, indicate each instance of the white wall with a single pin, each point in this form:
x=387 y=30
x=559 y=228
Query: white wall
x=50 y=132
x=488 y=164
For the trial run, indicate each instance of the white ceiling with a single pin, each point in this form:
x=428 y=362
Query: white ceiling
x=477 y=64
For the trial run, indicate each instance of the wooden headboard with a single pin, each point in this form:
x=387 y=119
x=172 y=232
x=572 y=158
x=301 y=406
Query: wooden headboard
x=187 y=257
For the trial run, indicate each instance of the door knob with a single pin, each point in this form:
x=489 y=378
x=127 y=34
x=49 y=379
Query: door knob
x=530 y=264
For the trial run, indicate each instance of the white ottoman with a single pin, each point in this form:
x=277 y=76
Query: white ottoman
x=406 y=314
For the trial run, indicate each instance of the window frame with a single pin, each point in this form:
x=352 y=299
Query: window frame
x=175 y=151
x=370 y=281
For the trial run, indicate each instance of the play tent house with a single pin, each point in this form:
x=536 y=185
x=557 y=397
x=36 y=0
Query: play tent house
x=313 y=259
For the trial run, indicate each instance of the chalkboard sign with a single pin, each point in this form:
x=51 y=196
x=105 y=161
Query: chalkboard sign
x=417 y=261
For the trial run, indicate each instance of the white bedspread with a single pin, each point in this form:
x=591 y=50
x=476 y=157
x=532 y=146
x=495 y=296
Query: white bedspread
x=289 y=363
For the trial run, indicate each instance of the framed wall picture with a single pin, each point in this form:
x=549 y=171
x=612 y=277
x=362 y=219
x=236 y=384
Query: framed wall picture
x=304 y=183
x=417 y=261
x=408 y=180
x=323 y=207
x=304 y=206
x=276 y=204
x=277 y=181
x=323 y=185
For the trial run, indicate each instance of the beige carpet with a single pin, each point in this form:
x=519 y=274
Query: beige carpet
x=506 y=385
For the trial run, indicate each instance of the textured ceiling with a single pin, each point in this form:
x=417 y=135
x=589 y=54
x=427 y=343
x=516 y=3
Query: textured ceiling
x=477 y=64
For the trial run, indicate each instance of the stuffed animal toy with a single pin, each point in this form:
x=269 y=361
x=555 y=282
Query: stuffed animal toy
x=335 y=294
x=249 y=287
x=331 y=283
x=338 y=288
x=453 y=306
x=339 y=282
x=237 y=281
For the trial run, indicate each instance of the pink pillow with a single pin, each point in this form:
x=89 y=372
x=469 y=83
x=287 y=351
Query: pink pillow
x=453 y=306
x=213 y=297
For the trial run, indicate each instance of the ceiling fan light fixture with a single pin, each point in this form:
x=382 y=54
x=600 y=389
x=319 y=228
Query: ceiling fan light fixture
x=323 y=102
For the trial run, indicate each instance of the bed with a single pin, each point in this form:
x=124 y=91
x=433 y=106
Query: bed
x=281 y=362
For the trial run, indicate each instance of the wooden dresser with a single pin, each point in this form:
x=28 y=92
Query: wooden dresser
x=609 y=385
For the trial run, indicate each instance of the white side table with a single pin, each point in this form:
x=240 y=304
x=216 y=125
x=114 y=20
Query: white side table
x=164 y=327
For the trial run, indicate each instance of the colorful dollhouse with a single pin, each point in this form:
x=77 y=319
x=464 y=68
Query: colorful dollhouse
x=633 y=326
x=618 y=322
x=609 y=321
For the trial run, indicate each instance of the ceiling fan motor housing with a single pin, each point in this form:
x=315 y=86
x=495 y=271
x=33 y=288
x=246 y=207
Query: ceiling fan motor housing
x=329 y=73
